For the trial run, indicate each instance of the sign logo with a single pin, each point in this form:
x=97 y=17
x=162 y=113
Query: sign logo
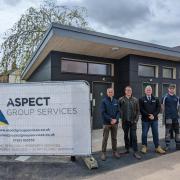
x=3 y=120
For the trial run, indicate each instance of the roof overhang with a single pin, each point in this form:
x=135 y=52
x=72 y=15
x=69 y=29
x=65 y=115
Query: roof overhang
x=79 y=41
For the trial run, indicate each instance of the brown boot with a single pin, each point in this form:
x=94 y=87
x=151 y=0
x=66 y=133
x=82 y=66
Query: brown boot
x=160 y=150
x=103 y=156
x=116 y=155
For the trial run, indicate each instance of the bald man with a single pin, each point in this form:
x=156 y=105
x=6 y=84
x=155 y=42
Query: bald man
x=150 y=108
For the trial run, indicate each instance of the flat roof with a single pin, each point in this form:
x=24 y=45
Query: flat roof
x=86 y=42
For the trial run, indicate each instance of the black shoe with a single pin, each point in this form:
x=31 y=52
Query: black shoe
x=127 y=151
x=116 y=155
x=123 y=153
x=137 y=155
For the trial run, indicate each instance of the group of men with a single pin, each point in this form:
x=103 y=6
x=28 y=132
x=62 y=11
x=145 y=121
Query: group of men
x=127 y=109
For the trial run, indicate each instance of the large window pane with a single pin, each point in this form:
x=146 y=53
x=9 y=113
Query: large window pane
x=168 y=72
x=99 y=69
x=164 y=89
x=145 y=70
x=73 y=66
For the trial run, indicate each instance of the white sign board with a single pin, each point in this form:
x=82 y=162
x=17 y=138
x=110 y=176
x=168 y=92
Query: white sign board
x=45 y=119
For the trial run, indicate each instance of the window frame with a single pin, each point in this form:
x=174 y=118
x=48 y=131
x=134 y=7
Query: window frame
x=173 y=72
x=86 y=61
x=156 y=70
x=74 y=72
x=110 y=74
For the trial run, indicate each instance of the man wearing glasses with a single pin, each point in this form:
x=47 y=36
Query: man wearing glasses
x=129 y=108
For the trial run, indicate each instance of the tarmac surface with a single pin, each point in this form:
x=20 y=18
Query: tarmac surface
x=152 y=166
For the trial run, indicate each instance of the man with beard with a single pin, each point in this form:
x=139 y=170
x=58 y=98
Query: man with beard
x=170 y=105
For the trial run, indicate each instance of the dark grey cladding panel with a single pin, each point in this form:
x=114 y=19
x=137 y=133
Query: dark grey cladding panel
x=121 y=75
x=43 y=72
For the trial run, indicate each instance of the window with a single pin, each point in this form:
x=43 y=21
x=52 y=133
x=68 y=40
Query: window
x=147 y=70
x=154 y=88
x=84 y=67
x=99 y=69
x=73 y=66
x=165 y=88
x=169 y=73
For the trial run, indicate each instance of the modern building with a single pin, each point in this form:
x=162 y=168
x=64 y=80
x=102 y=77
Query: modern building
x=70 y=53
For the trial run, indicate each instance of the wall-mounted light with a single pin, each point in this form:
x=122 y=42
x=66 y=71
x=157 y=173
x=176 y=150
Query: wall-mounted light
x=150 y=80
x=115 y=48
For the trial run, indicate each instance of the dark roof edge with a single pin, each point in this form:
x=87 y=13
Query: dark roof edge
x=113 y=37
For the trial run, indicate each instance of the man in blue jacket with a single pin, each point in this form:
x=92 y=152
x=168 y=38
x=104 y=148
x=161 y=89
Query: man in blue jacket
x=110 y=116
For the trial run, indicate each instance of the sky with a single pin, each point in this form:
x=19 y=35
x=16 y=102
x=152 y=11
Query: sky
x=154 y=21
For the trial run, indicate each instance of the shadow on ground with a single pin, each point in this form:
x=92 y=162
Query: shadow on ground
x=52 y=168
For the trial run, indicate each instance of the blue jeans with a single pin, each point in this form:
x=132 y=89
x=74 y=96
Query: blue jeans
x=154 y=129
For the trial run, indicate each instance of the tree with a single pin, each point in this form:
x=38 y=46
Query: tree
x=22 y=39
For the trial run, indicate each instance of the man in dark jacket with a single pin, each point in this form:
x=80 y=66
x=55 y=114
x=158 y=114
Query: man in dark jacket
x=110 y=116
x=150 y=108
x=129 y=108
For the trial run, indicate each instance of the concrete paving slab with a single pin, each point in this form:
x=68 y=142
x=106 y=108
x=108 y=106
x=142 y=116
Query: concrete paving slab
x=165 y=167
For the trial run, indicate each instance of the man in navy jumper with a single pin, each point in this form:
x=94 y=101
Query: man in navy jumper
x=110 y=116
x=170 y=104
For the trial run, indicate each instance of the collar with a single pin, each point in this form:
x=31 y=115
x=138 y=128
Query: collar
x=110 y=99
x=127 y=97
x=171 y=95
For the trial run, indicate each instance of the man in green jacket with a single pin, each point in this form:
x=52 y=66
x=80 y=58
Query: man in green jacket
x=129 y=110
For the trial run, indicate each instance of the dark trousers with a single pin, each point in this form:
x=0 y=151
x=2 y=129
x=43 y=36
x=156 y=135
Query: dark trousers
x=130 y=137
x=113 y=129
x=174 y=126
x=154 y=128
